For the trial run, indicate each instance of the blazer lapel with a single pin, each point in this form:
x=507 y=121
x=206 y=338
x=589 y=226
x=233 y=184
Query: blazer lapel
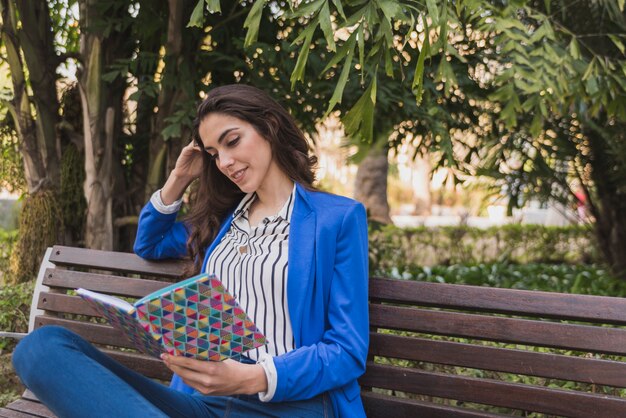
x=301 y=261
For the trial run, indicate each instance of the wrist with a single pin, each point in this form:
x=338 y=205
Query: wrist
x=174 y=187
x=255 y=380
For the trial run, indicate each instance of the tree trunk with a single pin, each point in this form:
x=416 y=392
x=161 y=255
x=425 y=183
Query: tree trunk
x=371 y=184
x=19 y=107
x=608 y=206
x=36 y=38
x=101 y=105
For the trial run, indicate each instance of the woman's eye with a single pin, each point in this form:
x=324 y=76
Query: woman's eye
x=213 y=156
x=233 y=141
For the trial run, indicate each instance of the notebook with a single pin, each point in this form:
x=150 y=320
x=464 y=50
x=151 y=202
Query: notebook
x=195 y=318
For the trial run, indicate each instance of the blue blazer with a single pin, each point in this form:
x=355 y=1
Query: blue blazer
x=326 y=292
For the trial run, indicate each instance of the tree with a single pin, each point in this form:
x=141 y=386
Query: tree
x=557 y=70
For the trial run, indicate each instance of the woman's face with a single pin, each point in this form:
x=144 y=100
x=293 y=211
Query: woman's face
x=244 y=156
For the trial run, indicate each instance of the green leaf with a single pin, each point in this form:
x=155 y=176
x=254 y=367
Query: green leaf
x=197 y=16
x=325 y=24
x=339 y=7
x=388 y=63
x=536 y=126
x=574 y=49
x=214 y=6
x=298 y=71
x=307 y=9
x=433 y=12
x=418 y=77
x=343 y=79
x=618 y=43
x=359 y=121
x=361 y=43
x=344 y=50
x=444 y=26
x=253 y=22
x=171 y=131
x=391 y=9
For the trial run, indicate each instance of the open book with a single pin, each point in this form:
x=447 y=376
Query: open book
x=194 y=318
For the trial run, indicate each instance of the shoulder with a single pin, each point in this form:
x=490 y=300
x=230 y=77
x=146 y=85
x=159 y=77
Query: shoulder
x=323 y=202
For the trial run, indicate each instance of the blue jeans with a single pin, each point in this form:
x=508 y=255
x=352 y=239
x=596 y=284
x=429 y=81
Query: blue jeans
x=74 y=379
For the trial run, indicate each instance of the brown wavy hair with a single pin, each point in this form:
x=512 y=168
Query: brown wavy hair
x=216 y=196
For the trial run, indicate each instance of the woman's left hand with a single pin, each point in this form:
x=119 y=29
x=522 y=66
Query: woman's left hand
x=218 y=378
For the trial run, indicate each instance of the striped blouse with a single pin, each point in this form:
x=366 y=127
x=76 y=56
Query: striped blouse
x=252 y=265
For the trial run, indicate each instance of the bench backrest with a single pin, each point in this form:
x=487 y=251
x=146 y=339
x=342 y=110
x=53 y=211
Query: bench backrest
x=436 y=349
x=119 y=274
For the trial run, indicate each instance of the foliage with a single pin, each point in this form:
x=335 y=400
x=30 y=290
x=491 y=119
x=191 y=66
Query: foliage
x=7 y=241
x=563 y=278
x=14 y=310
x=400 y=252
x=40 y=226
x=11 y=165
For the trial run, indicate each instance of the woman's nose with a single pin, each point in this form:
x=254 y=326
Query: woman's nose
x=225 y=160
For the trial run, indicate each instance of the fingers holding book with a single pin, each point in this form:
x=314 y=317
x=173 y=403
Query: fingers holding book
x=223 y=378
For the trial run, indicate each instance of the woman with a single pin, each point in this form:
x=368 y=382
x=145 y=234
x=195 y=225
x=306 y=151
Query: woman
x=295 y=258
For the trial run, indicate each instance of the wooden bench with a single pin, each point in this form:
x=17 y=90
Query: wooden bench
x=436 y=349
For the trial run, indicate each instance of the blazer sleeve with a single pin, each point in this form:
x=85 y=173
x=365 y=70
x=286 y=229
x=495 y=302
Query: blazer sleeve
x=159 y=235
x=339 y=358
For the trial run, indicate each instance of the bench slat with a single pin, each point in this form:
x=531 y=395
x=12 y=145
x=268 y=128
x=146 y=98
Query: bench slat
x=378 y=405
x=34 y=408
x=491 y=392
x=553 y=366
x=95 y=333
x=604 y=309
x=9 y=413
x=509 y=330
x=115 y=285
x=57 y=302
x=147 y=366
x=114 y=261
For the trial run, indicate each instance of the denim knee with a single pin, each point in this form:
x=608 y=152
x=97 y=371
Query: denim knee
x=33 y=352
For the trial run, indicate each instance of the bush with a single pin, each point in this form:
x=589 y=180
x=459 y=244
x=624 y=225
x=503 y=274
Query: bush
x=563 y=278
x=407 y=249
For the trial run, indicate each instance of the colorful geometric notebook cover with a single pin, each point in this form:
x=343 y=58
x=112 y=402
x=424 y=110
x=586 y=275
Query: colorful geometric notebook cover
x=195 y=318
x=125 y=320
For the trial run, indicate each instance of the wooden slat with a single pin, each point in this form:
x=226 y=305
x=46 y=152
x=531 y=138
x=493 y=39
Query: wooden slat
x=378 y=405
x=57 y=302
x=116 y=285
x=603 y=309
x=29 y=395
x=9 y=413
x=518 y=331
x=34 y=408
x=114 y=261
x=147 y=366
x=554 y=366
x=94 y=333
x=490 y=392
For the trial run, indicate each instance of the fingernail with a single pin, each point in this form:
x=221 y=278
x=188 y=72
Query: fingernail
x=163 y=356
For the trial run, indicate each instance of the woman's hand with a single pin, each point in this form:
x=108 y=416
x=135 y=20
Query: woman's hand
x=215 y=378
x=189 y=166
x=189 y=163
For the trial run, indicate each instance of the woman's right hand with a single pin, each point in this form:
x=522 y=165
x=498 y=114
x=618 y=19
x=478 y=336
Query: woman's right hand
x=189 y=163
x=188 y=167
